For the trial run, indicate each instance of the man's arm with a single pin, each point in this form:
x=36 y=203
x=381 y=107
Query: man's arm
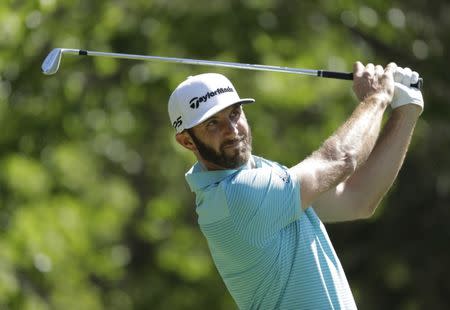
x=359 y=195
x=347 y=149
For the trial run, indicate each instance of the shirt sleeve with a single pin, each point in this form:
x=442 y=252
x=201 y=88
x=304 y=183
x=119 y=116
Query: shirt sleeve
x=263 y=201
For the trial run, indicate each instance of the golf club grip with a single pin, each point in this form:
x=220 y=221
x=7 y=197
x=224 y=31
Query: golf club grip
x=349 y=76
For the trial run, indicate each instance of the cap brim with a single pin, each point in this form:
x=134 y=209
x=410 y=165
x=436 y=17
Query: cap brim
x=217 y=109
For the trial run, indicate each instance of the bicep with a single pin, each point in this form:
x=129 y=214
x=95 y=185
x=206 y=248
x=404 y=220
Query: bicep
x=356 y=198
x=317 y=176
x=325 y=186
x=339 y=204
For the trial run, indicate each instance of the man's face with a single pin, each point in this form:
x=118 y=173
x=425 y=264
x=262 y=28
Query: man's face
x=223 y=141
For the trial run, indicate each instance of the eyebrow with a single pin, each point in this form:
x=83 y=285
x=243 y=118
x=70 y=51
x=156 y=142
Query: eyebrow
x=231 y=107
x=208 y=119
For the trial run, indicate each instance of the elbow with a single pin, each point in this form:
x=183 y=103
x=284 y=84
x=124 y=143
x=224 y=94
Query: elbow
x=364 y=204
x=367 y=213
x=368 y=210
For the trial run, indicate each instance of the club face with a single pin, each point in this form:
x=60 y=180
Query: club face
x=52 y=61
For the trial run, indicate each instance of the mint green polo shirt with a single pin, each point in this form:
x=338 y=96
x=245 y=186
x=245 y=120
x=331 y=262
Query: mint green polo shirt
x=269 y=252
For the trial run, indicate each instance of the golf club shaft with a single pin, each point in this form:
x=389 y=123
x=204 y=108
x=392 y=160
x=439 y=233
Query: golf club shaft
x=319 y=73
x=322 y=73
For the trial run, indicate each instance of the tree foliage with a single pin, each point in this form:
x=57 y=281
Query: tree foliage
x=94 y=209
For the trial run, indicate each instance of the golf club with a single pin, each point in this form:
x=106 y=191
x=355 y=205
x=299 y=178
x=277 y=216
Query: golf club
x=52 y=61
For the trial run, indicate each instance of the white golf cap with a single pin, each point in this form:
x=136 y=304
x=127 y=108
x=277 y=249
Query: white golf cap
x=199 y=97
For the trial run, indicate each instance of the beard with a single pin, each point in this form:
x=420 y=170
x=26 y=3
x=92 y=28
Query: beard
x=228 y=159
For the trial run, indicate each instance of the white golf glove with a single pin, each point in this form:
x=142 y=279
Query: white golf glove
x=403 y=92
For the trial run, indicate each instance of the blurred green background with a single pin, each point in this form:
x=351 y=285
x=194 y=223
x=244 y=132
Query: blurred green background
x=94 y=209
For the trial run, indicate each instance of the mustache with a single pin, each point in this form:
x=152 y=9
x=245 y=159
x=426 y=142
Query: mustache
x=233 y=141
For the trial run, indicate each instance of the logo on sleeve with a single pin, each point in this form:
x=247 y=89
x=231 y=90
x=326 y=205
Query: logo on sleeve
x=283 y=175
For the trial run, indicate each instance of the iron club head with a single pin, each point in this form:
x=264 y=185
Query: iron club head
x=52 y=61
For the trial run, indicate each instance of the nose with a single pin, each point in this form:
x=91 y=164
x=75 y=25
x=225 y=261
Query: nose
x=231 y=129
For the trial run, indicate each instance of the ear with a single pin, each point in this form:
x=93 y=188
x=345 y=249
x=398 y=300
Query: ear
x=185 y=140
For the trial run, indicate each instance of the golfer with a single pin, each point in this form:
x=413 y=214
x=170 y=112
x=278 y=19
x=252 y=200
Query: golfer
x=263 y=221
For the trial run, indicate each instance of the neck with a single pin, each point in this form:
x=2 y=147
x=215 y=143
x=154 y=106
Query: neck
x=209 y=166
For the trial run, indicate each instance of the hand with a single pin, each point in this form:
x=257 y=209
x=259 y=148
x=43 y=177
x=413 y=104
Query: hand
x=374 y=80
x=405 y=94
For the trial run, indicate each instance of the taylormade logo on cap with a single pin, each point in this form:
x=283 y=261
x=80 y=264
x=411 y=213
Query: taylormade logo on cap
x=195 y=102
x=200 y=97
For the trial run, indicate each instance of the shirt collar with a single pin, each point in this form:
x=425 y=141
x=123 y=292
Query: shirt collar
x=198 y=178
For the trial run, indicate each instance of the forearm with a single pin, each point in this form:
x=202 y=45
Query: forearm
x=376 y=176
x=347 y=149
x=342 y=153
x=352 y=143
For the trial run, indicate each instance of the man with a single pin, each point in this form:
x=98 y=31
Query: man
x=263 y=221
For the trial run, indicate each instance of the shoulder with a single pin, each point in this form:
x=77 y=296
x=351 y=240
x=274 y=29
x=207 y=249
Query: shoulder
x=267 y=178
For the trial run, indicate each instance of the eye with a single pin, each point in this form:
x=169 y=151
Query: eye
x=211 y=123
x=236 y=113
